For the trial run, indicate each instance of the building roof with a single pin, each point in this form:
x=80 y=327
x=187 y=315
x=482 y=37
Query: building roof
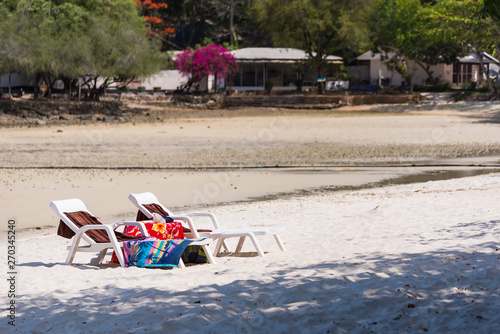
x=471 y=59
x=282 y=55
x=369 y=55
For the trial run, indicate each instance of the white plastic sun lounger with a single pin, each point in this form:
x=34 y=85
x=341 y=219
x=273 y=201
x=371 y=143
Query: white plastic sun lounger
x=97 y=244
x=148 y=203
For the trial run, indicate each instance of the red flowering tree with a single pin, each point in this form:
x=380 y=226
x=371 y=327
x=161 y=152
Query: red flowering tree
x=151 y=10
x=208 y=60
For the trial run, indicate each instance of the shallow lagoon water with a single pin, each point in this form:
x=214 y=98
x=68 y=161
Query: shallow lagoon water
x=184 y=190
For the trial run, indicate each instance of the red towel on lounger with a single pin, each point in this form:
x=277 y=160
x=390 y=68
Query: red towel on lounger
x=155 y=208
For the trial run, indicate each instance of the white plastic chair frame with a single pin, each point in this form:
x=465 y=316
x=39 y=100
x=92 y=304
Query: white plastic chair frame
x=219 y=234
x=75 y=205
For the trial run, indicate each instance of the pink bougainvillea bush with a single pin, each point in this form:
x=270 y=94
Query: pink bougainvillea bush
x=212 y=59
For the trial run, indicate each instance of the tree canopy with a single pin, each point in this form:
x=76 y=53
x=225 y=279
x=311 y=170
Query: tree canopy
x=429 y=32
x=478 y=33
x=69 y=40
x=117 y=40
x=320 y=27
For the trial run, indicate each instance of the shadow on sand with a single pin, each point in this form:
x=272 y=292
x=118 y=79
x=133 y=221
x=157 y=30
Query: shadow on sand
x=448 y=291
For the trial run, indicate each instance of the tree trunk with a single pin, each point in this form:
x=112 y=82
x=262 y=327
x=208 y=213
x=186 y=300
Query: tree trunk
x=46 y=79
x=231 y=23
x=427 y=69
x=410 y=84
x=36 y=88
x=321 y=84
x=482 y=69
x=10 y=87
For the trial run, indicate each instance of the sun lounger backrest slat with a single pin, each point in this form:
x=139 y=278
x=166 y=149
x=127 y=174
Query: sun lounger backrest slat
x=153 y=208
x=82 y=218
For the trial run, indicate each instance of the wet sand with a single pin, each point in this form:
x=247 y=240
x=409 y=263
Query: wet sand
x=103 y=163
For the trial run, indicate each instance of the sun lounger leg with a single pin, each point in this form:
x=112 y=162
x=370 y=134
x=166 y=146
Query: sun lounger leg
x=280 y=243
x=101 y=256
x=72 y=250
x=240 y=245
x=256 y=244
x=220 y=242
x=209 y=255
x=71 y=256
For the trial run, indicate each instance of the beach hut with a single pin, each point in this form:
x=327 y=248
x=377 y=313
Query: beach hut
x=258 y=65
x=371 y=68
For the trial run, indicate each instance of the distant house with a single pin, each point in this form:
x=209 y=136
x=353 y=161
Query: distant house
x=371 y=68
x=16 y=80
x=257 y=65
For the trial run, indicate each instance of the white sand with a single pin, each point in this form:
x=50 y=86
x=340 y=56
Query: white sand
x=402 y=259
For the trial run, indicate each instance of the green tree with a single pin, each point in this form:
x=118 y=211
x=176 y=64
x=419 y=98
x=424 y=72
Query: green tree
x=467 y=21
x=492 y=8
x=68 y=40
x=119 y=51
x=11 y=48
x=405 y=31
x=319 y=27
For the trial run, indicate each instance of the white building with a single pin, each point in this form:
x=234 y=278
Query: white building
x=465 y=69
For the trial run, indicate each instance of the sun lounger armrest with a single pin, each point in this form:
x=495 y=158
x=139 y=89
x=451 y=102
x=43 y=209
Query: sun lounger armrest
x=190 y=223
x=141 y=226
x=206 y=214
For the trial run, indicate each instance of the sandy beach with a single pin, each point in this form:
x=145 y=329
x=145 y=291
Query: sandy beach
x=409 y=258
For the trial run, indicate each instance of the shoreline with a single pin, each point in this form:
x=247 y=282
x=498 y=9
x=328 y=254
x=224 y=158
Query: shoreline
x=105 y=191
x=95 y=162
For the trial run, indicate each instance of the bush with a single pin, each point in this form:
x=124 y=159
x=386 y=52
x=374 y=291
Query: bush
x=208 y=60
x=469 y=86
x=268 y=86
x=485 y=88
x=298 y=83
x=141 y=89
x=442 y=86
x=157 y=89
x=461 y=96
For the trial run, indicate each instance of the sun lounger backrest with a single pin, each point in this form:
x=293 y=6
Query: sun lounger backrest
x=74 y=214
x=82 y=218
x=148 y=204
x=66 y=225
x=153 y=208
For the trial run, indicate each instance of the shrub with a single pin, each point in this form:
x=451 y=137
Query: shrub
x=268 y=86
x=469 y=86
x=208 y=60
x=442 y=86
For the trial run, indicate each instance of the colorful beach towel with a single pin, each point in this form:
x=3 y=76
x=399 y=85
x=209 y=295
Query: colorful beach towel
x=169 y=230
x=155 y=253
x=163 y=231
